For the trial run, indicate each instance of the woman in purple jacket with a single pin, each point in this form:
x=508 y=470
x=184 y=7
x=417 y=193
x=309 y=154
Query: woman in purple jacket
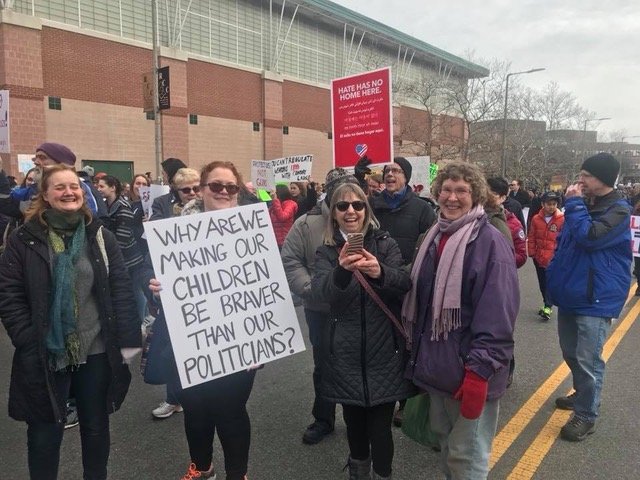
x=462 y=310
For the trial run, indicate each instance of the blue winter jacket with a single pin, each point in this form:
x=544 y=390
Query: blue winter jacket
x=590 y=272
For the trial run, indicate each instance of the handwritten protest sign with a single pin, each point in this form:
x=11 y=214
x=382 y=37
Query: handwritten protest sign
x=635 y=235
x=420 y=178
x=149 y=194
x=224 y=292
x=361 y=116
x=296 y=168
x=262 y=175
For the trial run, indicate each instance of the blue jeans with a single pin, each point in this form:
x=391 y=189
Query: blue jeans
x=90 y=382
x=465 y=445
x=581 y=340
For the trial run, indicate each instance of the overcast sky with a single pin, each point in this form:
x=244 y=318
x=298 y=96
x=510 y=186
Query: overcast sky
x=590 y=48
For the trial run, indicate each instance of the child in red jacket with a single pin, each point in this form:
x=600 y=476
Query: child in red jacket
x=543 y=234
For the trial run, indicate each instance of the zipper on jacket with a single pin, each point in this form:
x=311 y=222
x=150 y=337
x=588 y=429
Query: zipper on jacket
x=363 y=346
x=590 y=286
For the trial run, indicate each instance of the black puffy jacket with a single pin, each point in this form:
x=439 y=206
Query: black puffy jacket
x=25 y=290
x=364 y=356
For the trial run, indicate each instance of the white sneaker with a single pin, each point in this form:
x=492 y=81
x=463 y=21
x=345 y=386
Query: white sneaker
x=165 y=410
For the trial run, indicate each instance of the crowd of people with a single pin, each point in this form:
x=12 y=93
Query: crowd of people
x=400 y=298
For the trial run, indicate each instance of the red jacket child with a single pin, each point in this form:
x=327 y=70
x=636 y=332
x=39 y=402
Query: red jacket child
x=543 y=236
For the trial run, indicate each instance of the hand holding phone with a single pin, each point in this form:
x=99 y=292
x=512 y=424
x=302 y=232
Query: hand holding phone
x=356 y=243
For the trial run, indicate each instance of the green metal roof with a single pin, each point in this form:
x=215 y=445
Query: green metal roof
x=332 y=9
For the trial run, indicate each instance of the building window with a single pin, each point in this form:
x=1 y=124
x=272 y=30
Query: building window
x=330 y=135
x=193 y=119
x=55 y=103
x=256 y=126
x=285 y=130
x=151 y=116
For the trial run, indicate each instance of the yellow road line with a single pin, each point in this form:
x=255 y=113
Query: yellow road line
x=525 y=414
x=537 y=451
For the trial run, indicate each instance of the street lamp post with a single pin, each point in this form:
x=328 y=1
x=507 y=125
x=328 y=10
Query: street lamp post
x=504 y=117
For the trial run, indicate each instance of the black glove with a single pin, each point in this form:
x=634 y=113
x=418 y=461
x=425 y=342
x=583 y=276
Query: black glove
x=361 y=169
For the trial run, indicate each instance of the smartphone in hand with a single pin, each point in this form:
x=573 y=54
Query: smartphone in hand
x=355 y=241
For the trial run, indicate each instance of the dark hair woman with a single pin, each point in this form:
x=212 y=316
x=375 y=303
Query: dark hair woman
x=365 y=356
x=65 y=301
x=219 y=405
x=30 y=178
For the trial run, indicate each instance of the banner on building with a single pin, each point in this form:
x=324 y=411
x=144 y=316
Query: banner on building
x=164 y=89
x=361 y=118
x=5 y=144
x=635 y=235
x=224 y=292
x=147 y=91
x=420 y=175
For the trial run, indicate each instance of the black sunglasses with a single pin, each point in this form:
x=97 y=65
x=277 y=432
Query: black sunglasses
x=358 y=206
x=187 y=190
x=217 y=187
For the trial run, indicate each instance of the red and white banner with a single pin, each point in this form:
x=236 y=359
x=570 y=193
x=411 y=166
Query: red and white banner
x=361 y=115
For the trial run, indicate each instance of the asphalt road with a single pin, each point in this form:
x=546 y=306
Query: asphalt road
x=280 y=410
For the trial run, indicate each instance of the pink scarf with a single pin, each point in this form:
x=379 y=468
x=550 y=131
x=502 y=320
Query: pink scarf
x=448 y=283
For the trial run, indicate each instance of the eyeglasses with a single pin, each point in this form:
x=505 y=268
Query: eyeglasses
x=513 y=184
x=460 y=192
x=358 y=206
x=41 y=156
x=188 y=190
x=217 y=187
x=394 y=170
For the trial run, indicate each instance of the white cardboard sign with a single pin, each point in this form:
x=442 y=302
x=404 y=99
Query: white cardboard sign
x=420 y=181
x=224 y=292
x=5 y=143
x=262 y=175
x=149 y=194
x=296 y=168
x=635 y=235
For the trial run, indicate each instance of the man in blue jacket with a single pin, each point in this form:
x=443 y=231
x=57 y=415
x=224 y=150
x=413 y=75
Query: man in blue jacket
x=588 y=279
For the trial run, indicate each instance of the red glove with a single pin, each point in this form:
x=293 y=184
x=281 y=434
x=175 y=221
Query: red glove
x=473 y=394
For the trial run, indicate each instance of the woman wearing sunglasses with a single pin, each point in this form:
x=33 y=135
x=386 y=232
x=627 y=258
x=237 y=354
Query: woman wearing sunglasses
x=365 y=354
x=219 y=405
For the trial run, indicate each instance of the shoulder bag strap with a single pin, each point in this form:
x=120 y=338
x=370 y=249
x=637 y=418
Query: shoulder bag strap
x=369 y=289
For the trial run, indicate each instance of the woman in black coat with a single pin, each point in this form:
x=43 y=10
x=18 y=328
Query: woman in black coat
x=65 y=301
x=365 y=355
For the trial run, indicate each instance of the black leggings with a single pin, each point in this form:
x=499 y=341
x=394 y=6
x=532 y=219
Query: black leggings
x=219 y=405
x=369 y=434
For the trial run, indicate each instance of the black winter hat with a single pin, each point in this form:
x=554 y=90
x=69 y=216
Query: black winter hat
x=551 y=196
x=604 y=167
x=404 y=165
x=171 y=166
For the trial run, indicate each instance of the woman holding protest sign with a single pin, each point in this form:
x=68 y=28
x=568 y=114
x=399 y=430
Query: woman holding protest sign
x=65 y=301
x=358 y=270
x=218 y=405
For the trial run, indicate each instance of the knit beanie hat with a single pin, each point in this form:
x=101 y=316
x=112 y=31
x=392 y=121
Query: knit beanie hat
x=171 y=166
x=404 y=165
x=604 y=167
x=58 y=153
x=334 y=179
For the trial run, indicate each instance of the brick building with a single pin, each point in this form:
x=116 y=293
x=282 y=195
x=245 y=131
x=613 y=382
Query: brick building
x=249 y=78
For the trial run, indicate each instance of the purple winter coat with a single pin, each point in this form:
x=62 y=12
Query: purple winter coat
x=490 y=303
